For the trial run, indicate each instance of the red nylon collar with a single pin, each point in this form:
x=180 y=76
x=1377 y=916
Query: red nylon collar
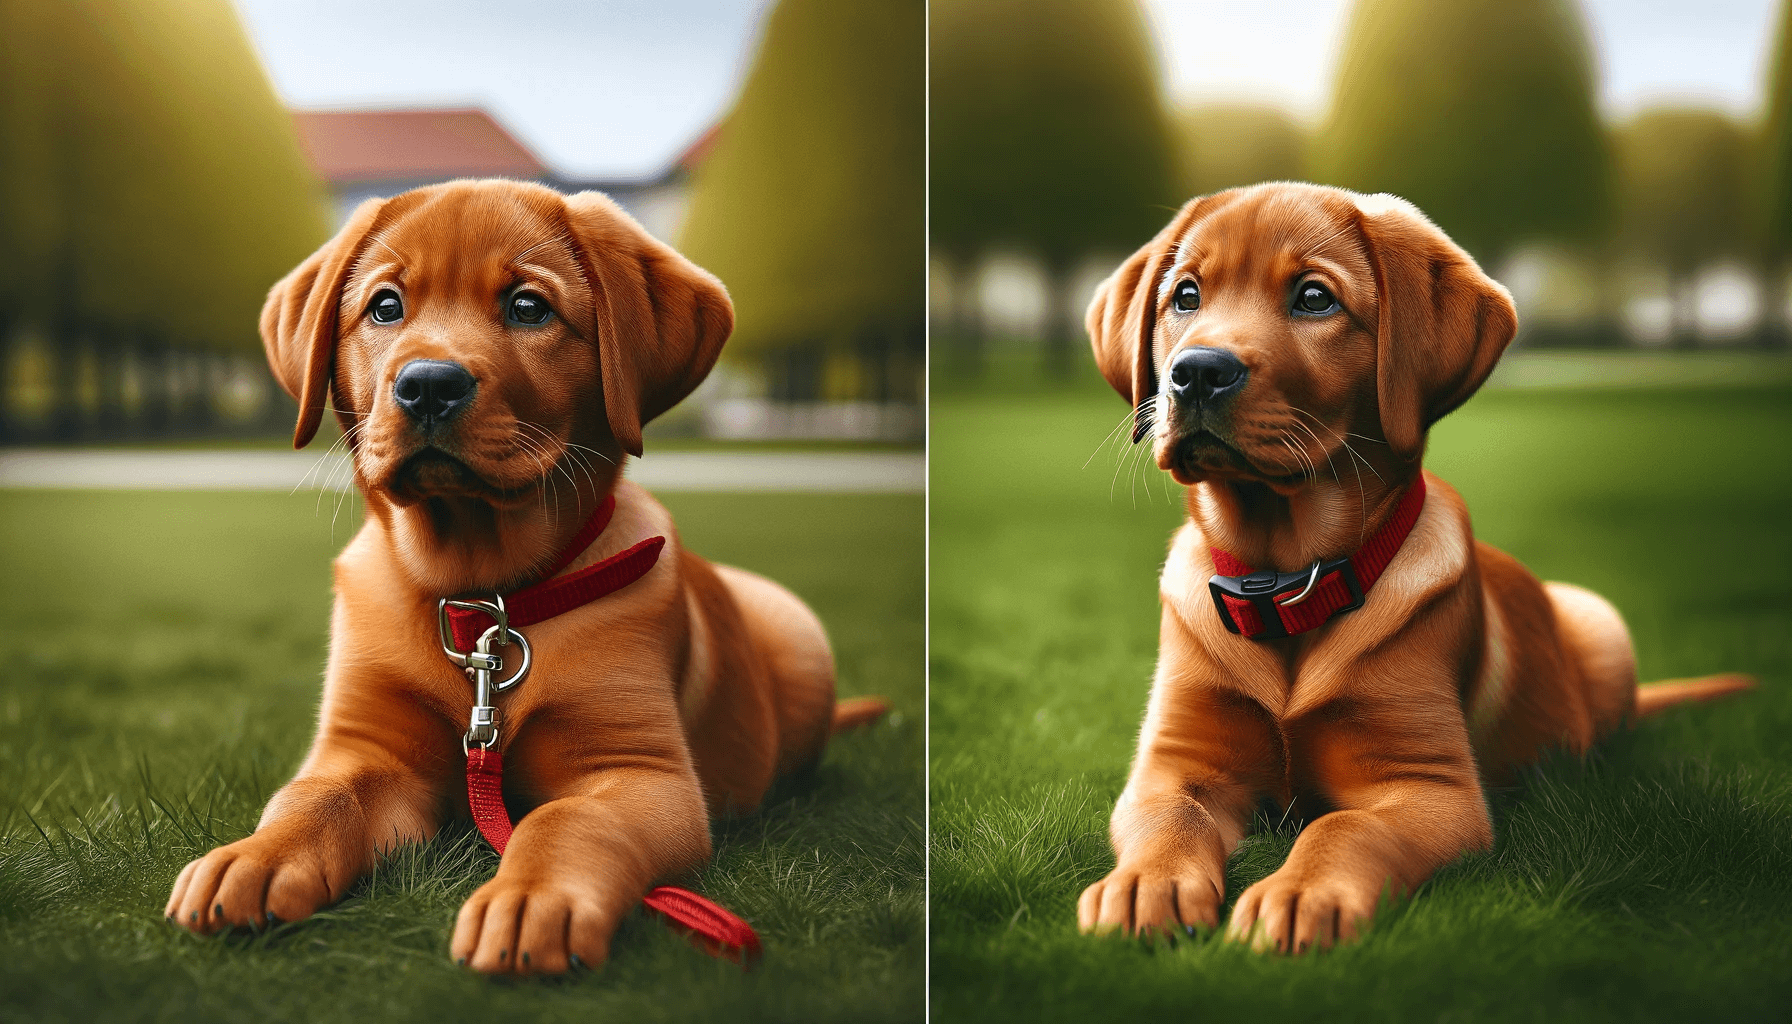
x=556 y=594
x=1241 y=594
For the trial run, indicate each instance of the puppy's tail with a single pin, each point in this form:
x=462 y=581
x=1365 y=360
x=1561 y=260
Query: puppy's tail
x=1654 y=697
x=856 y=711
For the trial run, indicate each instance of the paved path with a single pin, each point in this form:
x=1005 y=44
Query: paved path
x=838 y=472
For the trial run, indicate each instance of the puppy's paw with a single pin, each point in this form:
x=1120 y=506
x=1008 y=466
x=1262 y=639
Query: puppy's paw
x=509 y=927
x=1290 y=914
x=1151 y=902
x=250 y=883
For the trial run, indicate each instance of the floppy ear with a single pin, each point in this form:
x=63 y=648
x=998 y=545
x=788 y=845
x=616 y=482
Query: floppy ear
x=1122 y=315
x=660 y=320
x=298 y=322
x=1443 y=321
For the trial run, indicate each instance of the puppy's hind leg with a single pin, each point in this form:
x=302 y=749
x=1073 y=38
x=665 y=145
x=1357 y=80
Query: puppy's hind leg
x=795 y=648
x=1595 y=639
x=1594 y=633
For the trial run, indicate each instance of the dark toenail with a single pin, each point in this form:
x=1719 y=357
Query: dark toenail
x=525 y=958
x=271 y=917
x=502 y=953
x=460 y=961
x=1190 y=929
x=195 y=917
x=576 y=962
x=218 y=910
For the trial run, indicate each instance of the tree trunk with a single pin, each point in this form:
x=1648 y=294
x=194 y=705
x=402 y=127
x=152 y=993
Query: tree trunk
x=1059 y=330
x=154 y=409
x=969 y=338
x=109 y=357
x=1683 y=317
x=67 y=422
x=8 y=428
x=1772 y=330
x=874 y=362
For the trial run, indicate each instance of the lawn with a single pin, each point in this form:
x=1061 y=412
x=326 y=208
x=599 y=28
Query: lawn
x=163 y=655
x=1651 y=881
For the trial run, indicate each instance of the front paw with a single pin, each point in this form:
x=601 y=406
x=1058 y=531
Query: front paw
x=532 y=927
x=1292 y=912
x=1151 y=900
x=249 y=884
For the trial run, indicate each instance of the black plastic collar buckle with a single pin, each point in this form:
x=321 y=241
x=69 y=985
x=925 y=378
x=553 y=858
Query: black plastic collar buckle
x=1263 y=587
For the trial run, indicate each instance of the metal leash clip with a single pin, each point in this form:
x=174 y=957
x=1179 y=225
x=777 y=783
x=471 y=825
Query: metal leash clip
x=480 y=663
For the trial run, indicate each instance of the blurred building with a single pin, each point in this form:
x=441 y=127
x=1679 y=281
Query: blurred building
x=361 y=154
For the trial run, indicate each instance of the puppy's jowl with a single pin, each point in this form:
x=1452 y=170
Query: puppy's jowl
x=1332 y=633
x=492 y=350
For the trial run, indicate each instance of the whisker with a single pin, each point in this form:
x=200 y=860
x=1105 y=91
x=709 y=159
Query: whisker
x=1130 y=414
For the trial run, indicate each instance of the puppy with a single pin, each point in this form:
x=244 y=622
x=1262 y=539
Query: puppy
x=1332 y=632
x=492 y=351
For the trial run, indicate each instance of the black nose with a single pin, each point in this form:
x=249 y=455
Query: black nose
x=433 y=391
x=1203 y=374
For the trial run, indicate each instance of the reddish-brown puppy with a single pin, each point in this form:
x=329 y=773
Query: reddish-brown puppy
x=551 y=329
x=1286 y=348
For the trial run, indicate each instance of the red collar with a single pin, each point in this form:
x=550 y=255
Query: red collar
x=554 y=595
x=1246 y=597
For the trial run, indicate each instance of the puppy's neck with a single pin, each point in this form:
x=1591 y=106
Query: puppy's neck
x=458 y=545
x=1288 y=532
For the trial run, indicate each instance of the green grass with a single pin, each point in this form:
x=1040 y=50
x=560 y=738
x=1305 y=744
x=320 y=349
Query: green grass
x=162 y=659
x=1651 y=881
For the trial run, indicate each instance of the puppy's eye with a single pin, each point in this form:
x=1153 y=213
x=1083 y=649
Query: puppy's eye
x=1313 y=297
x=527 y=308
x=1187 y=297
x=386 y=308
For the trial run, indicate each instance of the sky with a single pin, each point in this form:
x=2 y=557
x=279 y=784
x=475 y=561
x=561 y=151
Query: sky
x=597 y=88
x=618 y=88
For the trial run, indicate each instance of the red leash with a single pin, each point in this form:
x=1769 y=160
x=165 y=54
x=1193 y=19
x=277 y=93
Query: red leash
x=472 y=625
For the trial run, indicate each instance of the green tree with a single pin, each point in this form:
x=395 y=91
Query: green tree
x=1774 y=167
x=1479 y=111
x=1683 y=196
x=811 y=206
x=1225 y=145
x=1048 y=134
x=152 y=187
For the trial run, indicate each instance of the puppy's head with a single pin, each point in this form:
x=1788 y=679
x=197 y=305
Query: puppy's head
x=1265 y=326
x=470 y=335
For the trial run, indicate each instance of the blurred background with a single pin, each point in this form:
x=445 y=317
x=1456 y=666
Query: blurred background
x=164 y=163
x=1624 y=166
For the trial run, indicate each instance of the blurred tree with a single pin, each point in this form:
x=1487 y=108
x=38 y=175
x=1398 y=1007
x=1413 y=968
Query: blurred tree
x=1479 y=111
x=811 y=206
x=1225 y=145
x=30 y=223
x=1048 y=135
x=1775 y=169
x=162 y=182
x=1683 y=198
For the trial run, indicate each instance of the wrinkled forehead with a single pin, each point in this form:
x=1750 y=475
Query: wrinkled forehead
x=1272 y=235
x=470 y=241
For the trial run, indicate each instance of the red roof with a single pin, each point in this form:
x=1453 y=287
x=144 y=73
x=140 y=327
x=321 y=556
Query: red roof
x=407 y=145
x=699 y=150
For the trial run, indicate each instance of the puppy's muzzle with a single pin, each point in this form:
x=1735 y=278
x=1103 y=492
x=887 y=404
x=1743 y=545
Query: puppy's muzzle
x=433 y=391
x=1203 y=376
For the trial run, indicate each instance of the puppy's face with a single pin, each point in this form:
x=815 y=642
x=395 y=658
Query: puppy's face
x=457 y=353
x=1264 y=346
x=480 y=336
x=1269 y=334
